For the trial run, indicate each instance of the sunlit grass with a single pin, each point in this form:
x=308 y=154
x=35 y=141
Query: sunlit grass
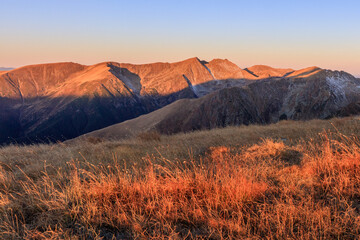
x=270 y=188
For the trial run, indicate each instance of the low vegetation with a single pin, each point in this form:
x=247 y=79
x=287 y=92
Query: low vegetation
x=297 y=180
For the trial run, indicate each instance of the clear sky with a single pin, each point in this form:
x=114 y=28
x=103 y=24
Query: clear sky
x=279 y=33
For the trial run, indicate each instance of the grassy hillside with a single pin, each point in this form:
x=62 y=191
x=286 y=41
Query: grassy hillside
x=286 y=180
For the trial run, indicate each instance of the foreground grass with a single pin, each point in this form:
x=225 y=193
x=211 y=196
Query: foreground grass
x=287 y=180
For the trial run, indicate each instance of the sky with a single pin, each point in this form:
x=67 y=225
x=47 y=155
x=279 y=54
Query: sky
x=279 y=33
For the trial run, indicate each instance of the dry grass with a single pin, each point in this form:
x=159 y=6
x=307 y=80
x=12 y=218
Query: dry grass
x=150 y=136
x=230 y=183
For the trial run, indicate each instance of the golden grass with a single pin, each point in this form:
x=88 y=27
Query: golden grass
x=304 y=186
x=150 y=136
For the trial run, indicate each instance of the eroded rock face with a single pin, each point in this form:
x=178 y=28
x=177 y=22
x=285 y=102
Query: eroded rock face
x=321 y=95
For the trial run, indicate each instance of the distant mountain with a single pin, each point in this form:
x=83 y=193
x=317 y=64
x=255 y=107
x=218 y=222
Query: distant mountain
x=58 y=101
x=302 y=95
x=5 y=69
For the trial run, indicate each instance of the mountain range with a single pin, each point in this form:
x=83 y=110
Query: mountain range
x=5 y=69
x=59 y=101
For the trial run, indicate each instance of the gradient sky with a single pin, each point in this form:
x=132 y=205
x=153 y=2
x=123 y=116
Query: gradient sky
x=279 y=33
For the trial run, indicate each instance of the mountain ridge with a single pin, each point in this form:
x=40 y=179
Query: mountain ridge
x=58 y=101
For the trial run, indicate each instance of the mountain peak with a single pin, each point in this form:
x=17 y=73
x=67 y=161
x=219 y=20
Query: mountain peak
x=264 y=71
x=192 y=60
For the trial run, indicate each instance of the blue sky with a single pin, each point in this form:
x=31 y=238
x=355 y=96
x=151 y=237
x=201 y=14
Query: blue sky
x=278 y=33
